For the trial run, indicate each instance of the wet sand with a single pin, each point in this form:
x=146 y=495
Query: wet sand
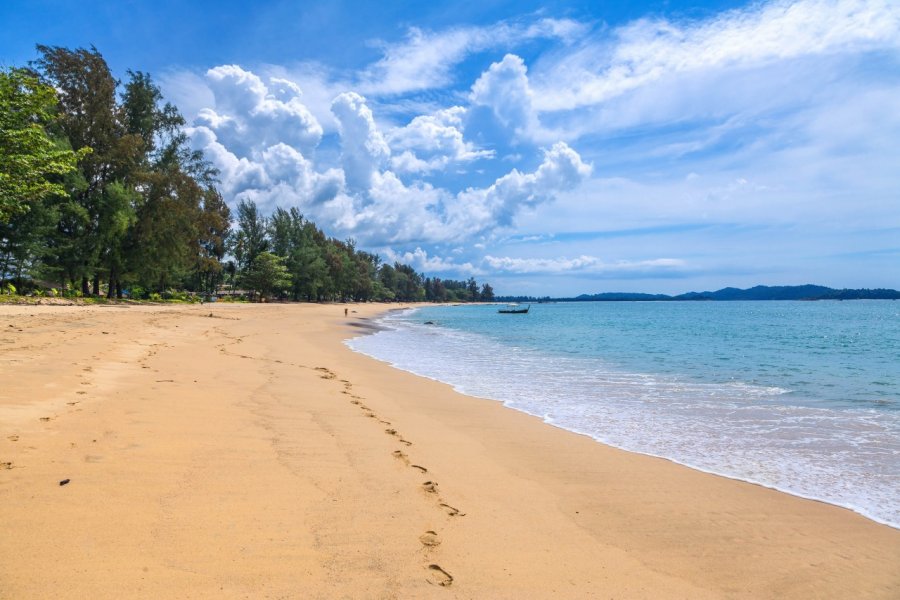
x=224 y=451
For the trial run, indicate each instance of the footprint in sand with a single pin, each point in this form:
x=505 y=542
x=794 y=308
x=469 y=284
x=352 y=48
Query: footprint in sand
x=394 y=433
x=13 y=438
x=6 y=465
x=370 y=414
x=356 y=402
x=384 y=422
x=430 y=487
x=326 y=373
x=438 y=576
x=430 y=539
x=451 y=511
x=419 y=467
x=401 y=456
x=45 y=419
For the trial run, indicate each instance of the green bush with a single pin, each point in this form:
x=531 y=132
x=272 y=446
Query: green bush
x=171 y=294
x=155 y=297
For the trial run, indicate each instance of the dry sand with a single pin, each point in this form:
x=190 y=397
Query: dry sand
x=227 y=451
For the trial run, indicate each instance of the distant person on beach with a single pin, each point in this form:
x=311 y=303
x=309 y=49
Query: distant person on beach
x=345 y=312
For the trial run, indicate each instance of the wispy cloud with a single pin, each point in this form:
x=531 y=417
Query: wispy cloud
x=582 y=264
x=648 y=50
x=426 y=59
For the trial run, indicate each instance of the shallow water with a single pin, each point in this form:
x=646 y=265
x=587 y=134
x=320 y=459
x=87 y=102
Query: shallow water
x=799 y=396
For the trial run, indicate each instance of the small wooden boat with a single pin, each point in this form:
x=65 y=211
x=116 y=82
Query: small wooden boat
x=514 y=309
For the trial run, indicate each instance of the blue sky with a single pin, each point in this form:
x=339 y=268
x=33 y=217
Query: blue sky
x=548 y=147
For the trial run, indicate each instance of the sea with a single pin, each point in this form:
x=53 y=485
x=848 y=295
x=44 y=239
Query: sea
x=802 y=397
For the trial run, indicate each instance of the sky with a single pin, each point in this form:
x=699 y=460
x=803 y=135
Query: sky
x=551 y=148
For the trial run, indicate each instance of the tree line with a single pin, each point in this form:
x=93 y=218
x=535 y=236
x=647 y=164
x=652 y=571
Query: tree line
x=100 y=193
x=287 y=255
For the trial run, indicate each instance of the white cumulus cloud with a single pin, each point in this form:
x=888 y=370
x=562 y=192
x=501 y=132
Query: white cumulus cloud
x=431 y=142
x=485 y=208
x=505 y=90
x=421 y=261
x=363 y=149
x=266 y=146
x=248 y=113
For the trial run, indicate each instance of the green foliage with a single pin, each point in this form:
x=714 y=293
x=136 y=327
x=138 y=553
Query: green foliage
x=250 y=238
x=267 y=275
x=137 y=206
x=31 y=161
x=214 y=226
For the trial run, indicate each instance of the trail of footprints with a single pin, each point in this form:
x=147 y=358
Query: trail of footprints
x=435 y=574
x=430 y=540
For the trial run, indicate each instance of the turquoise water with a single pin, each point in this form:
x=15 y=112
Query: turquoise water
x=799 y=396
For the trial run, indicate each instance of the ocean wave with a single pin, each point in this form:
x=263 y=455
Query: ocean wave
x=740 y=430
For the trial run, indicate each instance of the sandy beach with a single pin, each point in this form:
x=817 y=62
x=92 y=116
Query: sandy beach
x=242 y=451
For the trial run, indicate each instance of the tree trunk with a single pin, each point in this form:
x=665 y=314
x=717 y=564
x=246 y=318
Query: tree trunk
x=96 y=285
x=112 y=279
x=85 y=290
x=118 y=289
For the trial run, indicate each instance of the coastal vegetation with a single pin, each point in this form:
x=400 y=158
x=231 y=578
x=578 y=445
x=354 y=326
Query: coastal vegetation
x=102 y=195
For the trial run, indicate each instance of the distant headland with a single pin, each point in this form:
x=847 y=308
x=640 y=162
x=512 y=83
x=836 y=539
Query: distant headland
x=759 y=292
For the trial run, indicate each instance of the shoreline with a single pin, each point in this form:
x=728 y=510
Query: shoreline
x=600 y=440
x=250 y=451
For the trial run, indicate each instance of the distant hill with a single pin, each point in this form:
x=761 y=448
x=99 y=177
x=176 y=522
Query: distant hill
x=759 y=292
x=762 y=292
x=791 y=292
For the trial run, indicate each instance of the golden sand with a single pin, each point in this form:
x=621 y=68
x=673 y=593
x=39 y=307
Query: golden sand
x=237 y=451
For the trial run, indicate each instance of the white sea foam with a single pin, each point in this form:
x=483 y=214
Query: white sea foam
x=847 y=457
